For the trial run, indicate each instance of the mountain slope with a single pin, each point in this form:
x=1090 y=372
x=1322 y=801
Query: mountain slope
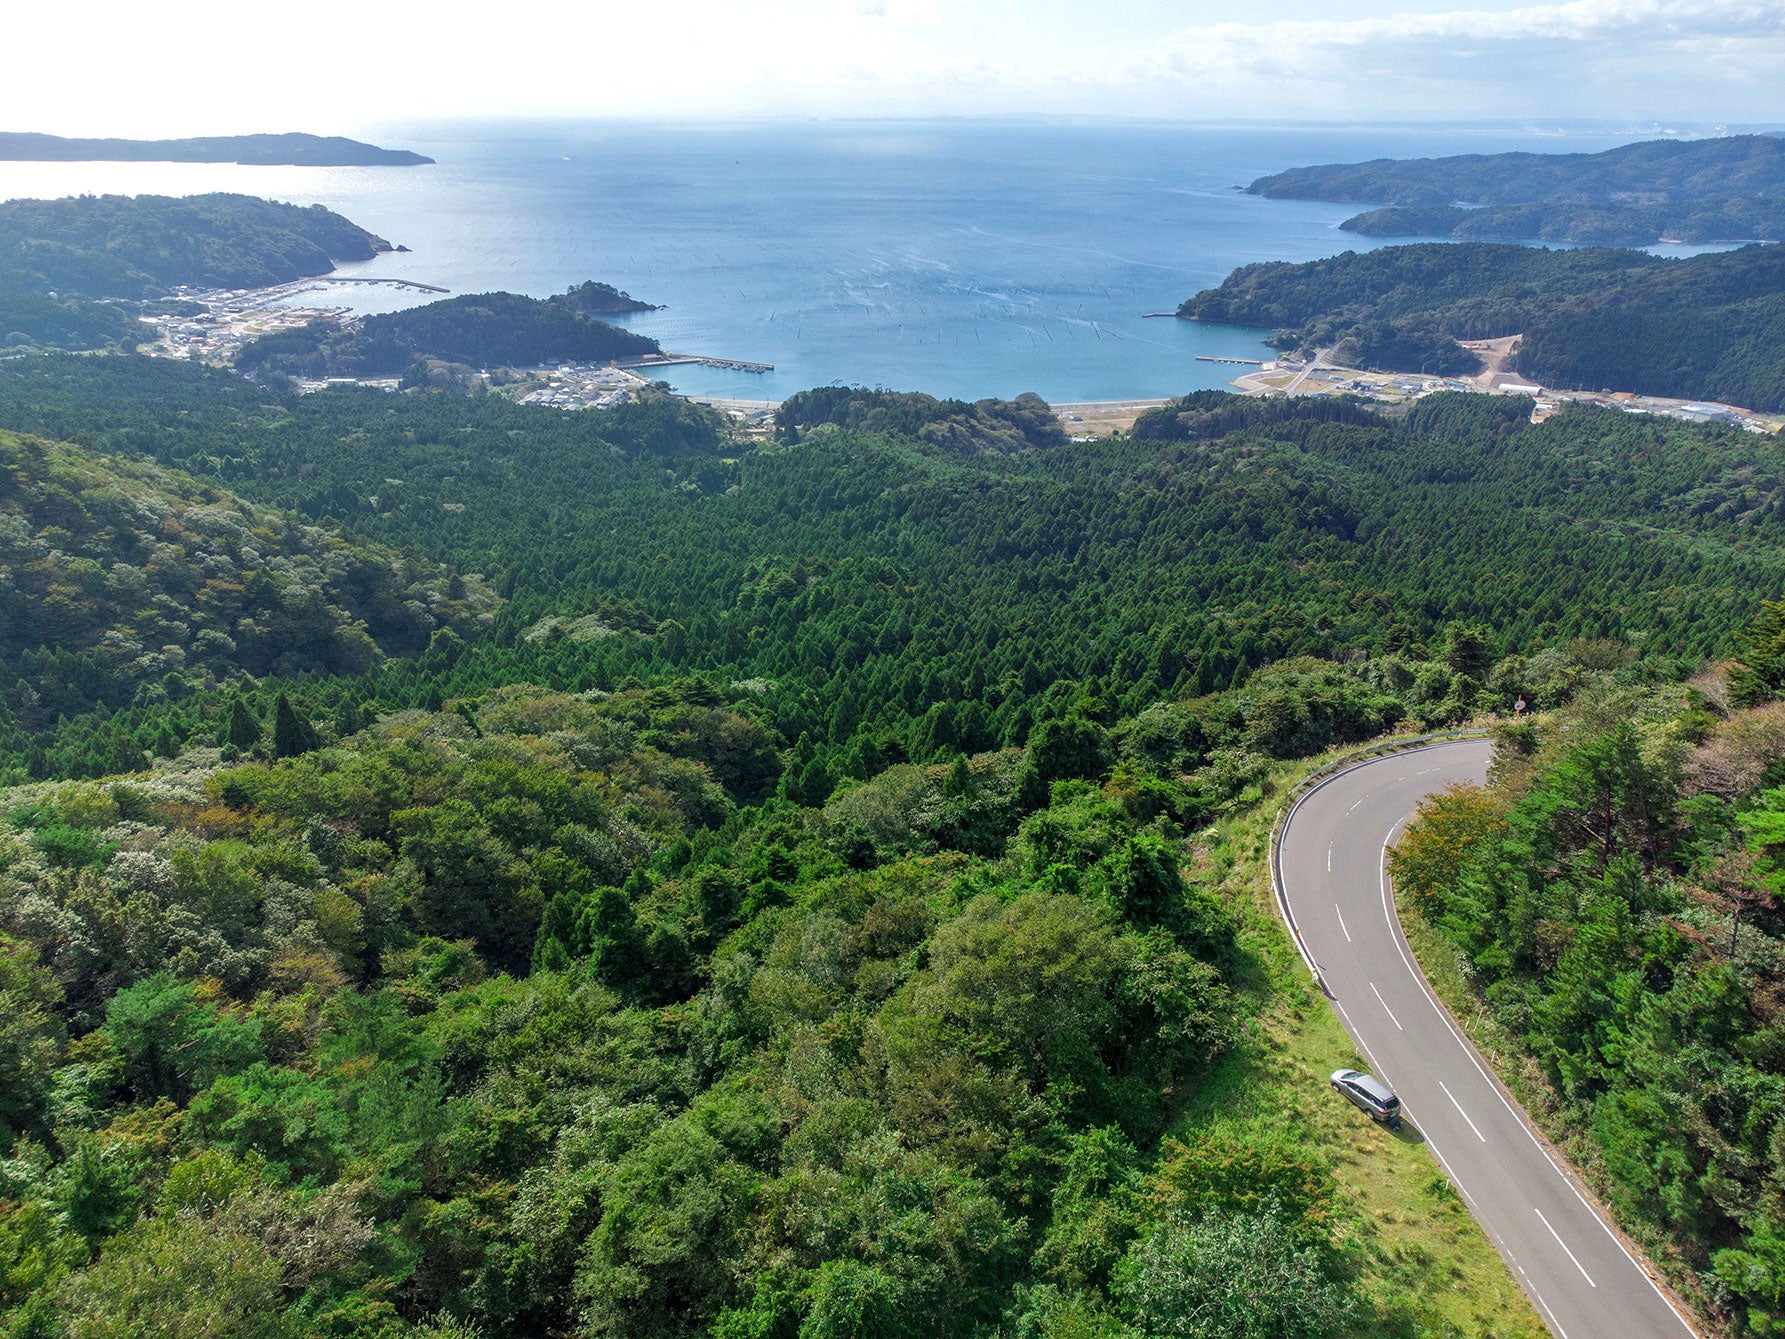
x=118 y=577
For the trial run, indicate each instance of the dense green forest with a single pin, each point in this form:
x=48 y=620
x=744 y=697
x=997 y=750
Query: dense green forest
x=1613 y=899
x=985 y=425
x=33 y=322
x=1742 y=219
x=477 y=330
x=119 y=578
x=810 y=888
x=296 y=149
x=895 y=597
x=1652 y=171
x=1707 y=327
x=137 y=246
x=521 y=1019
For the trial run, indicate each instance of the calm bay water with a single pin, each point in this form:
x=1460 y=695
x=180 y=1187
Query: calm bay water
x=963 y=259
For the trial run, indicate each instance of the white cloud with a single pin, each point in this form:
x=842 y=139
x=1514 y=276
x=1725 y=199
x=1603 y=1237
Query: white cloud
x=1568 y=58
x=209 y=66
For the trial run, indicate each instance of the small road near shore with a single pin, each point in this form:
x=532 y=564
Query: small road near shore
x=1586 y=1283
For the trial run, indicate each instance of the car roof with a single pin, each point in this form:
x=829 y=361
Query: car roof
x=1373 y=1086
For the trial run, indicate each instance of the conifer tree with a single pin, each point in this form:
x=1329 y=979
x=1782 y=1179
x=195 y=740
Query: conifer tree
x=244 y=730
x=292 y=734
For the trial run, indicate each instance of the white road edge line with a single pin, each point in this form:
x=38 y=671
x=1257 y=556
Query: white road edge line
x=1385 y=1009
x=1564 y=1245
x=1523 y=1124
x=1530 y=1284
x=1464 y=1114
x=1341 y=916
x=1469 y=1050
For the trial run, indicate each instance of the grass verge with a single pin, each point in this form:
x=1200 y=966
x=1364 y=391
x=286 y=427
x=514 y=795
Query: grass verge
x=1425 y=1268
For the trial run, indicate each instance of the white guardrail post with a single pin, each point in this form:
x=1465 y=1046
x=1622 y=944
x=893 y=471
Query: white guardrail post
x=1312 y=782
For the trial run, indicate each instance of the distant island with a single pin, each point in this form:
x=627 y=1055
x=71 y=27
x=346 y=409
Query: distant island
x=140 y=246
x=1709 y=327
x=293 y=150
x=1700 y=191
x=471 y=331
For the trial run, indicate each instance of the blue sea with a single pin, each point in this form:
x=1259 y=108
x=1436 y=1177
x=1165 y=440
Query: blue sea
x=961 y=258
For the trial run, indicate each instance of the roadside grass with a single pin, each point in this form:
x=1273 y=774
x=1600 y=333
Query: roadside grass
x=1424 y=1266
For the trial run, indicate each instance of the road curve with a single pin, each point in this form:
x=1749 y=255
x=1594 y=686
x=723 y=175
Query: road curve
x=1576 y=1270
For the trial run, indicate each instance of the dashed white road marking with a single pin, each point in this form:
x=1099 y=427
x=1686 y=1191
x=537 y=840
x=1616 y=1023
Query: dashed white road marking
x=1564 y=1245
x=1385 y=1009
x=1518 y=1116
x=1341 y=916
x=1464 y=1114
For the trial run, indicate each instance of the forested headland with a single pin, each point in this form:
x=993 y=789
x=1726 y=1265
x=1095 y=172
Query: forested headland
x=124 y=246
x=597 y=299
x=1707 y=327
x=472 y=330
x=1727 y=188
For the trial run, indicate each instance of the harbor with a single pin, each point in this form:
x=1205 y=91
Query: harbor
x=668 y=359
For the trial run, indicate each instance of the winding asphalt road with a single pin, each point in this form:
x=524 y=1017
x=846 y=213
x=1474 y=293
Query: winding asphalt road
x=1584 y=1281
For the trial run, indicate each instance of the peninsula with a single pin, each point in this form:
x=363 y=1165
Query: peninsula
x=1727 y=189
x=1710 y=327
x=141 y=246
x=473 y=330
x=289 y=150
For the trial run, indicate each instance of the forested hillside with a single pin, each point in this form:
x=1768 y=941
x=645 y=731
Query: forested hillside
x=1708 y=327
x=125 y=246
x=945 y=595
x=31 y=322
x=122 y=582
x=511 y=1021
x=479 y=330
x=985 y=425
x=826 y=901
x=1746 y=219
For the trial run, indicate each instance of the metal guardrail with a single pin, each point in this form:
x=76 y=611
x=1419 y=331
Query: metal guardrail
x=1311 y=783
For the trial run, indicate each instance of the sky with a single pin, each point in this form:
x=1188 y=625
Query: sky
x=337 y=66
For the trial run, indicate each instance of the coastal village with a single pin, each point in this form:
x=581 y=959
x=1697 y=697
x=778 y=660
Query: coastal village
x=212 y=326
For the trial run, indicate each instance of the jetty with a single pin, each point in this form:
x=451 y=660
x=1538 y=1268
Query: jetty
x=1242 y=362
x=668 y=359
x=415 y=284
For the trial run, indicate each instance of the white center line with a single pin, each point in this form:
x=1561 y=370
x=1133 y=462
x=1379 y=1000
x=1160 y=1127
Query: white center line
x=1564 y=1245
x=1329 y=860
x=1385 y=1009
x=1464 y=1114
x=1341 y=916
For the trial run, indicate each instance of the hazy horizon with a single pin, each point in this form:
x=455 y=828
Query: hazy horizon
x=217 y=69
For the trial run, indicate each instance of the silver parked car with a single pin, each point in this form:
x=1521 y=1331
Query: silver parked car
x=1369 y=1095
